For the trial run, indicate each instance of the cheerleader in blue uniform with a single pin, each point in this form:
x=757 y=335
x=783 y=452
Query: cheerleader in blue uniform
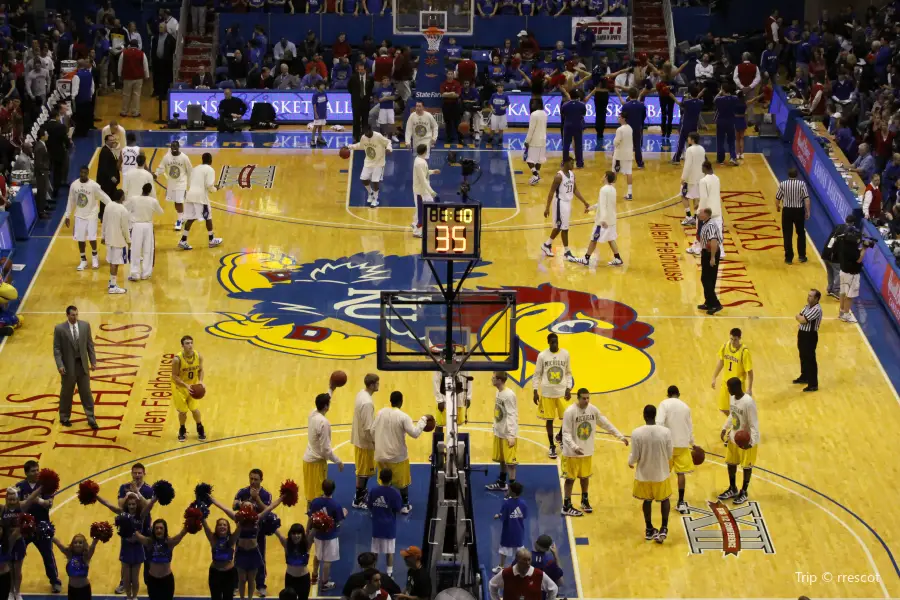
x=248 y=558
x=133 y=516
x=158 y=546
x=9 y=536
x=11 y=512
x=296 y=555
x=78 y=559
x=222 y=575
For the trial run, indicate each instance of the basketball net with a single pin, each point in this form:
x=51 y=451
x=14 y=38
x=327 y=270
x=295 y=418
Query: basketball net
x=433 y=36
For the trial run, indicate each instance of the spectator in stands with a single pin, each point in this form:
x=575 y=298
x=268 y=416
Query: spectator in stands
x=101 y=58
x=341 y=48
x=356 y=581
x=889 y=179
x=466 y=70
x=37 y=88
x=255 y=55
x=584 y=44
x=198 y=17
x=261 y=79
x=817 y=103
x=528 y=46
x=202 y=79
x=311 y=80
x=233 y=40
x=340 y=74
x=163 y=57
x=311 y=46
x=25 y=158
x=285 y=80
x=133 y=35
x=496 y=71
x=238 y=69
x=170 y=23
x=83 y=94
x=403 y=73
x=132 y=70
x=231 y=113
x=864 y=165
x=418 y=581
x=315 y=7
x=284 y=50
x=318 y=65
x=450 y=93
x=884 y=141
x=117 y=36
x=486 y=8
x=845 y=139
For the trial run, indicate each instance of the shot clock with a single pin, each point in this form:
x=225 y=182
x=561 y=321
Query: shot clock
x=452 y=231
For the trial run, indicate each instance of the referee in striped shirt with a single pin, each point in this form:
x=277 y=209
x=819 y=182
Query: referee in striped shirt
x=710 y=241
x=793 y=197
x=807 y=340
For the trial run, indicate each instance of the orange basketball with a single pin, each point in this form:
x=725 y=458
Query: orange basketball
x=345 y=152
x=430 y=423
x=742 y=439
x=464 y=128
x=198 y=390
x=338 y=379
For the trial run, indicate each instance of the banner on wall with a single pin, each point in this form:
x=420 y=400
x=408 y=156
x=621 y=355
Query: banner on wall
x=779 y=109
x=610 y=31
x=518 y=110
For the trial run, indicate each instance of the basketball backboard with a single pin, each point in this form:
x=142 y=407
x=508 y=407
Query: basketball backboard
x=454 y=17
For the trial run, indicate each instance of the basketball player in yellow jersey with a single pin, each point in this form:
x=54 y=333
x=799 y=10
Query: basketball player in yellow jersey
x=735 y=358
x=187 y=369
x=552 y=382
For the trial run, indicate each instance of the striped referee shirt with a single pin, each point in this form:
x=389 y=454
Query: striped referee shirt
x=710 y=231
x=813 y=316
x=792 y=193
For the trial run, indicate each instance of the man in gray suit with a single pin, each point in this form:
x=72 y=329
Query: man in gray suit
x=73 y=349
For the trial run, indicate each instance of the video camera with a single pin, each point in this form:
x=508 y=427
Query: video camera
x=469 y=167
x=854 y=236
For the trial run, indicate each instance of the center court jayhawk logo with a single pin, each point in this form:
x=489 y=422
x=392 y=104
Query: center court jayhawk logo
x=329 y=308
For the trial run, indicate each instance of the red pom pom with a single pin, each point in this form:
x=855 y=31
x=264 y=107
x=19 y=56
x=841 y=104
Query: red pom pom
x=49 y=481
x=247 y=515
x=27 y=525
x=87 y=492
x=193 y=520
x=321 y=521
x=290 y=493
x=101 y=531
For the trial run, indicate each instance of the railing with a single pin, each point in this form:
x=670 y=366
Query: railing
x=184 y=15
x=670 y=29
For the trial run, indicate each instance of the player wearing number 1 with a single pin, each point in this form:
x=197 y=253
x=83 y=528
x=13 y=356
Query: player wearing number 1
x=187 y=370
x=735 y=358
x=560 y=197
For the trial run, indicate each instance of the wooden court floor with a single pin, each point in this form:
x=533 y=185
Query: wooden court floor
x=822 y=496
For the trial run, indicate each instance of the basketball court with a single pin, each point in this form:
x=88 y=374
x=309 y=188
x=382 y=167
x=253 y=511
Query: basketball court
x=293 y=294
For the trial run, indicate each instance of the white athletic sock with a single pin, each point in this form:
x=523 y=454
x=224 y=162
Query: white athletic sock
x=112 y=281
x=629 y=188
x=549 y=242
x=567 y=249
x=390 y=571
x=375 y=194
x=181 y=216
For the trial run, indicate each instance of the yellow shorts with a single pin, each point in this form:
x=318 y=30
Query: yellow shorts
x=184 y=402
x=577 y=467
x=724 y=396
x=503 y=453
x=365 y=461
x=652 y=490
x=552 y=408
x=401 y=477
x=314 y=473
x=440 y=417
x=737 y=456
x=682 y=461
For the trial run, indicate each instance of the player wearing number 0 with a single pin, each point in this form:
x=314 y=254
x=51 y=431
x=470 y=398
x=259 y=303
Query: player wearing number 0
x=552 y=382
x=196 y=202
x=736 y=356
x=743 y=417
x=506 y=432
x=421 y=128
x=422 y=191
x=362 y=436
x=604 y=223
x=651 y=459
x=675 y=415
x=392 y=425
x=560 y=200
x=177 y=167
x=187 y=370
x=579 y=427
x=375 y=146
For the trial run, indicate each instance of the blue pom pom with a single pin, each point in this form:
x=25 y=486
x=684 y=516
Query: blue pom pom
x=202 y=492
x=125 y=525
x=44 y=531
x=164 y=492
x=202 y=507
x=269 y=524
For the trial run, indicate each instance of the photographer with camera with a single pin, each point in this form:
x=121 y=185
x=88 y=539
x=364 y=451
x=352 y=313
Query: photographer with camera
x=851 y=246
x=831 y=256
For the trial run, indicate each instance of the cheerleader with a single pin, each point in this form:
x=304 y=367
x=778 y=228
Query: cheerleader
x=11 y=512
x=159 y=546
x=78 y=559
x=248 y=558
x=9 y=537
x=136 y=511
x=221 y=570
x=296 y=555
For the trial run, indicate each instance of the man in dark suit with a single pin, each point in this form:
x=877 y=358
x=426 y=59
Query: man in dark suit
x=41 y=173
x=162 y=53
x=108 y=166
x=360 y=87
x=58 y=144
x=73 y=350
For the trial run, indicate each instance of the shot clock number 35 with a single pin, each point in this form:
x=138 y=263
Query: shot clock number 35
x=452 y=231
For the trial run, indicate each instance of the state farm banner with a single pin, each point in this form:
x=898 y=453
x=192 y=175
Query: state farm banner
x=610 y=31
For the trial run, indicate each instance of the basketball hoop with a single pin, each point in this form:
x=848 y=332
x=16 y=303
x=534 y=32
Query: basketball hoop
x=438 y=349
x=433 y=36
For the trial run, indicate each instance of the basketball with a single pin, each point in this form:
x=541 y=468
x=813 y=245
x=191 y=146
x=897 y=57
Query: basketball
x=338 y=379
x=464 y=128
x=429 y=423
x=345 y=152
x=198 y=390
x=698 y=455
x=742 y=439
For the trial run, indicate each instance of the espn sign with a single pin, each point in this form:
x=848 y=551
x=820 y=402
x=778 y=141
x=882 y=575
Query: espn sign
x=610 y=31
